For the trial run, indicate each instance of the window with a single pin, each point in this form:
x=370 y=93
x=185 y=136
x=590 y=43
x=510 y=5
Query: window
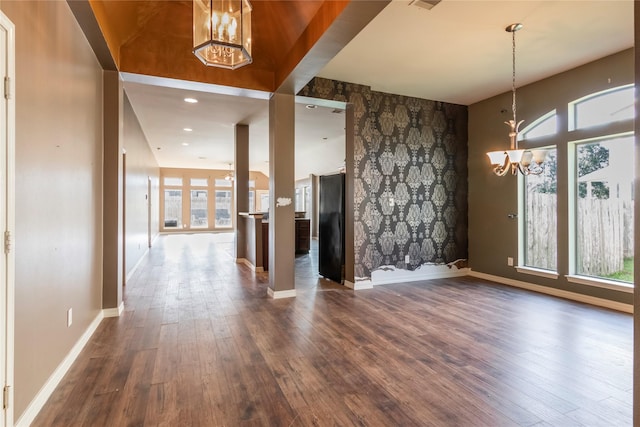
x=172 y=208
x=544 y=126
x=599 y=185
x=604 y=208
x=540 y=216
x=300 y=199
x=602 y=108
x=199 y=182
x=199 y=209
x=264 y=202
x=172 y=181
x=223 y=209
x=307 y=200
x=538 y=226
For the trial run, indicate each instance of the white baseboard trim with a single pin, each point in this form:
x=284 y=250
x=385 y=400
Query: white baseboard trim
x=600 y=302
x=403 y=276
x=47 y=389
x=113 y=312
x=290 y=293
x=154 y=238
x=135 y=267
x=358 y=286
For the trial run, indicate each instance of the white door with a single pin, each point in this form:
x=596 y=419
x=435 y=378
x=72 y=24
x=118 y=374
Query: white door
x=7 y=146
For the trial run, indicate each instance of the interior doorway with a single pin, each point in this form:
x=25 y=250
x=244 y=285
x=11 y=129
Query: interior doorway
x=124 y=217
x=7 y=217
x=149 y=213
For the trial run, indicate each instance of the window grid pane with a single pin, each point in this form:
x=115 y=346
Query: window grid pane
x=172 y=208
x=223 y=209
x=545 y=126
x=199 y=182
x=173 y=181
x=604 y=209
x=541 y=230
x=604 y=107
x=199 y=212
x=299 y=207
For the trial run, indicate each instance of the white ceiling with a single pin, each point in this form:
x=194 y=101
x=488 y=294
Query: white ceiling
x=457 y=52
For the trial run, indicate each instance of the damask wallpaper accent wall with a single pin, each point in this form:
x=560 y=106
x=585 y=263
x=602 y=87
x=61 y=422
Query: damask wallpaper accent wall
x=410 y=180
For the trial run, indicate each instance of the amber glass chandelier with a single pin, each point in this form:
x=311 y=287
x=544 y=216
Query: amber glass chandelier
x=222 y=32
x=516 y=160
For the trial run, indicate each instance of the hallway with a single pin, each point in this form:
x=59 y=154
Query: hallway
x=201 y=344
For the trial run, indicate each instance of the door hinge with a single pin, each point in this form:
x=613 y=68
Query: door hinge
x=7 y=88
x=5 y=397
x=7 y=242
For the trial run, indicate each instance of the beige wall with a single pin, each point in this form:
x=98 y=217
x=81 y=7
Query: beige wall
x=141 y=167
x=492 y=235
x=58 y=238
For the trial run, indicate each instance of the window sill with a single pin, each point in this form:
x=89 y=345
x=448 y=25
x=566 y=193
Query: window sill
x=601 y=283
x=537 y=272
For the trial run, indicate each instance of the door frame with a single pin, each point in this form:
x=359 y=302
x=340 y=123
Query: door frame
x=149 y=188
x=7 y=215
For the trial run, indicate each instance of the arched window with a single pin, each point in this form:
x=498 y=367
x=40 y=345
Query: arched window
x=539 y=201
x=600 y=190
x=543 y=126
x=609 y=106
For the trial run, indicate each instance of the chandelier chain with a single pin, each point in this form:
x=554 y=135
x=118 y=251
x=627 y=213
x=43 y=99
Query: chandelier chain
x=513 y=75
x=515 y=160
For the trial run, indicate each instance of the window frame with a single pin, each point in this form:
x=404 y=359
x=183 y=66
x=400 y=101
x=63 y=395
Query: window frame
x=522 y=267
x=572 y=106
x=195 y=180
x=573 y=276
x=566 y=189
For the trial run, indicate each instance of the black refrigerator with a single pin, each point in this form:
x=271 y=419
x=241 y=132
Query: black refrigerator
x=331 y=227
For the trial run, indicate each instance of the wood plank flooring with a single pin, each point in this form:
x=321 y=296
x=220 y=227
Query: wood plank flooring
x=201 y=344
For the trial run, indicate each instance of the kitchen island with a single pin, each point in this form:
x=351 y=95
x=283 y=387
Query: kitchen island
x=256 y=228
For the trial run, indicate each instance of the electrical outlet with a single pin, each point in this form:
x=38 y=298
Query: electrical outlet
x=407 y=259
x=69 y=317
x=510 y=261
x=392 y=202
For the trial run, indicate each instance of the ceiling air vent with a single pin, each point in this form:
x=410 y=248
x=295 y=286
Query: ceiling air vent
x=425 y=4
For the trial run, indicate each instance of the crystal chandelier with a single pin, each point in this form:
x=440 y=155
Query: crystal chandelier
x=525 y=161
x=222 y=32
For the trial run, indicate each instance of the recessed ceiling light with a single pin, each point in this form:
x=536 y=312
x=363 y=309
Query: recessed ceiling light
x=311 y=106
x=184 y=144
x=187 y=129
x=191 y=100
x=202 y=158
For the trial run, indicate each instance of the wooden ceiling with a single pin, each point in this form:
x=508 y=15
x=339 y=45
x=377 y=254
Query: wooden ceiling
x=154 y=37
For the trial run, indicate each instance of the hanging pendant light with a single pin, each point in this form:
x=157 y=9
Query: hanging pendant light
x=222 y=32
x=229 y=176
x=516 y=160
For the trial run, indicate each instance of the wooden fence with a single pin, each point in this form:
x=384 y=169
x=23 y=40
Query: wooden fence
x=542 y=236
x=604 y=233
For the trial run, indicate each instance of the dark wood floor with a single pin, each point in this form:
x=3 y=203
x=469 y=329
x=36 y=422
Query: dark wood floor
x=200 y=344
